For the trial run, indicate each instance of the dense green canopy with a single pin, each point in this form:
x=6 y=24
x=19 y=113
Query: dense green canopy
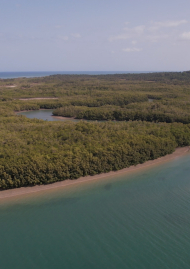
x=152 y=113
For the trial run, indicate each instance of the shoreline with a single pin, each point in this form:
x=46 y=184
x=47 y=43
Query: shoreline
x=69 y=182
x=57 y=117
x=64 y=118
x=20 y=111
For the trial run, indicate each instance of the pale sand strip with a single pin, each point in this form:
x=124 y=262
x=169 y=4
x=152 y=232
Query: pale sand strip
x=8 y=86
x=28 y=190
x=37 y=98
x=64 y=118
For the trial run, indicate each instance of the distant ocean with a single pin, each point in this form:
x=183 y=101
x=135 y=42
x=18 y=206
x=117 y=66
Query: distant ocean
x=7 y=75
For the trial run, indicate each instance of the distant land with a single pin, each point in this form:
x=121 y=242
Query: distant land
x=133 y=118
x=5 y=75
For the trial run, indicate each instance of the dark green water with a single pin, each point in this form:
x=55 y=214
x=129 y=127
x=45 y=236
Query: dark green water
x=136 y=221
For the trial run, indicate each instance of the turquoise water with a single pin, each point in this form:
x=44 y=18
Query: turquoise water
x=136 y=221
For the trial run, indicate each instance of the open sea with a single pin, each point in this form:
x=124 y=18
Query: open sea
x=133 y=221
x=8 y=75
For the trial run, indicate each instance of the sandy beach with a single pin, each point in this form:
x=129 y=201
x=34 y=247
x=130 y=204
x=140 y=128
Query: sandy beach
x=28 y=190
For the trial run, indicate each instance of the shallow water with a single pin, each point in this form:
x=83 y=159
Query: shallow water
x=138 y=220
x=43 y=114
x=46 y=114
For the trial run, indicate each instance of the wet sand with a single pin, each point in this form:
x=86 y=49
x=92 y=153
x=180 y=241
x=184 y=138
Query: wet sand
x=29 y=190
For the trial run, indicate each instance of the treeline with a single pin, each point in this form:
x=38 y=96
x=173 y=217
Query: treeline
x=114 y=99
x=157 y=97
x=153 y=112
x=153 y=84
x=37 y=152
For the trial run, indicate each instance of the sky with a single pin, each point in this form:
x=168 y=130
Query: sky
x=94 y=35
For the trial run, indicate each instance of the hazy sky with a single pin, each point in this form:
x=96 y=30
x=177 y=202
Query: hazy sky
x=94 y=35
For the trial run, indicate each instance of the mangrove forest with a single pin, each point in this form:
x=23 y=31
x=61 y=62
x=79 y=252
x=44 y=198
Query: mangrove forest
x=125 y=119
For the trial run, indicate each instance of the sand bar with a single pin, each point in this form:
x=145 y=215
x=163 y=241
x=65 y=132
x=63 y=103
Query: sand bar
x=37 y=98
x=28 y=190
x=8 y=86
x=64 y=118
